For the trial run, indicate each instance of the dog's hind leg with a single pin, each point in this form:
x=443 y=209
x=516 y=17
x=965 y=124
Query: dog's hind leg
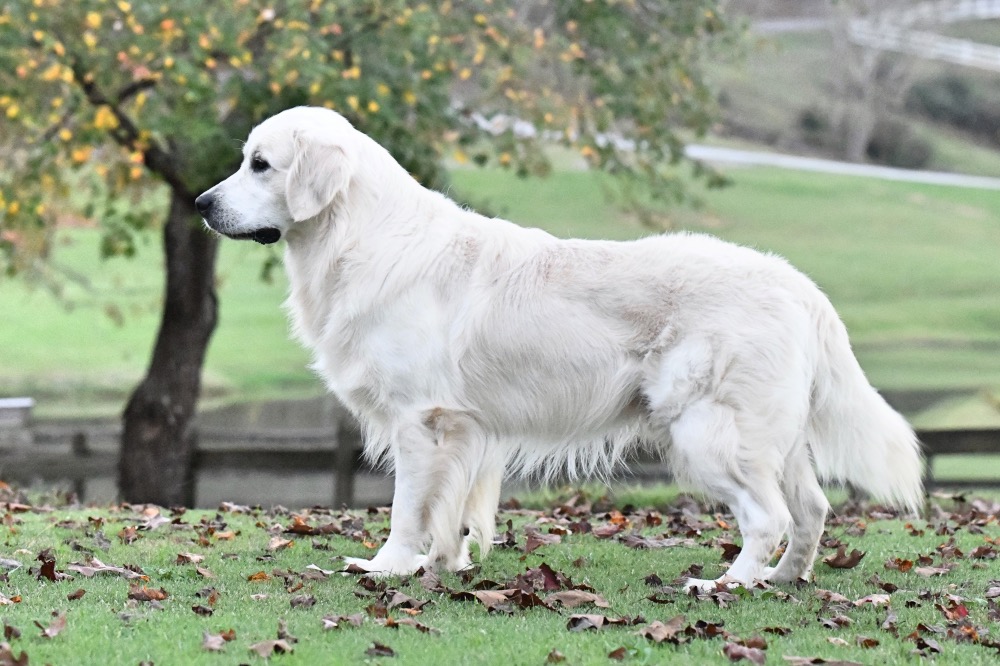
x=709 y=453
x=808 y=506
x=479 y=519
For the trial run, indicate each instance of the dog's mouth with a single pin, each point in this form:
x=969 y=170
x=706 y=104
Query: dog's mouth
x=264 y=236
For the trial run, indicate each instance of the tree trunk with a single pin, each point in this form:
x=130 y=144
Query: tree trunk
x=158 y=436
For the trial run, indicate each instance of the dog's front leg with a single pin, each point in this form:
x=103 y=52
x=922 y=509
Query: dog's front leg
x=436 y=463
x=401 y=553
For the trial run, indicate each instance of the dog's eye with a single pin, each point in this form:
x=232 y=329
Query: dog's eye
x=258 y=164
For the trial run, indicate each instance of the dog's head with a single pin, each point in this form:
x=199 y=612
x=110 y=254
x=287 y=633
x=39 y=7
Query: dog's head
x=294 y=165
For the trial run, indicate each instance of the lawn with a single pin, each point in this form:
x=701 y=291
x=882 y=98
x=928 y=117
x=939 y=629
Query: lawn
x=581 y=579
x=911 y=268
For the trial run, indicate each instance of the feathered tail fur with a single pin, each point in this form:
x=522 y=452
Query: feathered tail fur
x=853 y=433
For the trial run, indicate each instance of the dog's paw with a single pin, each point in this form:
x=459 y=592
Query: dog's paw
x=383 y=567
x=767 y=574
x=703 y=586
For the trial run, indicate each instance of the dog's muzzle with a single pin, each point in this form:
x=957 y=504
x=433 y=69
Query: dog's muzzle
x=265 y=236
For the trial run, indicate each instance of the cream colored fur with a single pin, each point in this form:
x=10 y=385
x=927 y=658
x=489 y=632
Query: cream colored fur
x=471 y=348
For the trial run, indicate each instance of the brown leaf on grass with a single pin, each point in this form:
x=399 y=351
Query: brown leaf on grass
x=574 y=598
x=380 y=650
x=277 y=543
x=927 y=572
x=338 y=621
x=393 y=623
x=729 y=552
x=555 y=657
x=831 y=597
x=660 y=632
x=890 y=623
x=403 y=601
x=204 y=611
x=583 y=622
x=874 y=600
x=607 y=530
x=737 y=652
x=842 y=560
x=10 y=632
x=76 y=596
x=97 y=567
x=866 y=642
x=143 y=593
x=303 y=601
x=983 y=553
x=495 y=601
x=618 y=654
x=212 y=642
x=48 y=568
x=266 y=648
x=777 y=631
x=535 y=539
x=4 y=601
x=129 y=535
x=209 y=594
x=899 y=564
x=809 y=661
x=634 y=540
x=189 y=558
x=258 y=577
x=885 y=586
x=7 y=657
x=835 y=622
x=56 y=626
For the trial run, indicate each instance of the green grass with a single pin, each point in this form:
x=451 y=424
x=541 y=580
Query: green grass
x=104 y=626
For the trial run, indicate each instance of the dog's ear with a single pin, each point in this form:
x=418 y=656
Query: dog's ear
x=320 y=170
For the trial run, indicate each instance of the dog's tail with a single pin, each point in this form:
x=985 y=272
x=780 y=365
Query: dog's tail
x=853 y=434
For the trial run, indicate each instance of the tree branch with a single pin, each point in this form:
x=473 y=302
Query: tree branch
x=157 y=160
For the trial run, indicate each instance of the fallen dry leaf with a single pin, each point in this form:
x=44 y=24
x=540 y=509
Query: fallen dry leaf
x=212 y=642
x=842 y=560
x=618 y=654
x=380 y=650
x=574 y=598
x=77 y=595
x=266 y=648
x=7 y=657
x=555 y=657
x=258 y=577
x=189 y=558
x=737 y=652
x=874 y=600
x=95 y=566
x=277 y=543
x=337 y=621
x=56 y=626
x=143 y=593
x=660 y=632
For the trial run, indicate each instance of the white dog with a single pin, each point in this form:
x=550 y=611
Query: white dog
x=471 y=347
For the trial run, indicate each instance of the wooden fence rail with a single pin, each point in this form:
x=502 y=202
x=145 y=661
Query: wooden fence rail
x=77 y=453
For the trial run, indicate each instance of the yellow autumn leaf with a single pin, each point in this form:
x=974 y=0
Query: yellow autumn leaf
x=104 y=118
x=373 y=106
x=92 y=20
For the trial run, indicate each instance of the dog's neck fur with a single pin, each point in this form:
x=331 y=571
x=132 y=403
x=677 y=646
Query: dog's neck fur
x=379 y=200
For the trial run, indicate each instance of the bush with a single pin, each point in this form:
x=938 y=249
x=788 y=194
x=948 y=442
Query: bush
x=893 y=143
x=958 y=101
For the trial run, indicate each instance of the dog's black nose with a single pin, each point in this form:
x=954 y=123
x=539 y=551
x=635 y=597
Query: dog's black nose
x=204 y=203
